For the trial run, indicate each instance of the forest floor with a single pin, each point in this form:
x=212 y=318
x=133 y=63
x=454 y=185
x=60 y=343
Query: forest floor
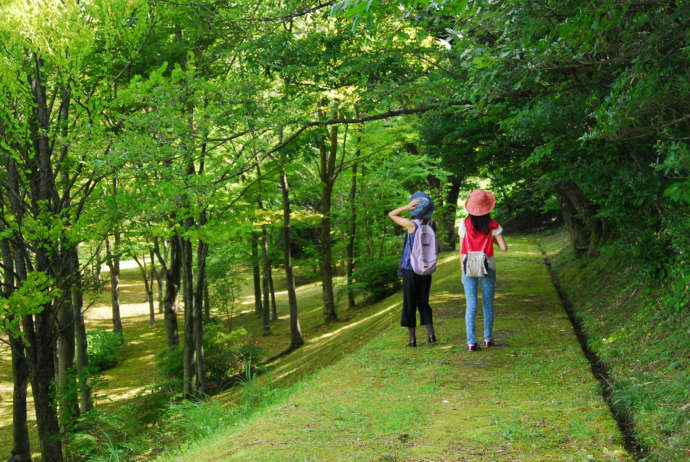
x=355 y=392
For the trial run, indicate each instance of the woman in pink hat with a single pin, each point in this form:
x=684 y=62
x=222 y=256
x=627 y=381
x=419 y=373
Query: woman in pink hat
x=477 y=233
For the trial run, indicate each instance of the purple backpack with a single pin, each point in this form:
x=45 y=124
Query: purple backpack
x=424 y=249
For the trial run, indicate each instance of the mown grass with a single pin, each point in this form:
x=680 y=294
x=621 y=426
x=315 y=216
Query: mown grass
x=137 y=419
x=533 y=397
x=640 y=331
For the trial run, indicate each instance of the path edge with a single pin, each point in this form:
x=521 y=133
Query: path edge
x=634 y=447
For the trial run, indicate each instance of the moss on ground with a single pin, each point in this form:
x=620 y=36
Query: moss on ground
x=532 y=397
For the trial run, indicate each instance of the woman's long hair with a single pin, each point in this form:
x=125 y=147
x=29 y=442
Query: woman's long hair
x=480 y=223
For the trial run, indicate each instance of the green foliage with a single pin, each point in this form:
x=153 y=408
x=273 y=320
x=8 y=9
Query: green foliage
x=35 y=292
x=105 y=348
x=228 y=355
x=377 y=279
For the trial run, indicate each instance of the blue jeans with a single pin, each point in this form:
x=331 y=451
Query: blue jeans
x=488 y=288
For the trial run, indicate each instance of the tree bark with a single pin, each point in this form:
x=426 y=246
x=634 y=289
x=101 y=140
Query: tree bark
x=113 y=261
x=266 y=282
x=158 y=274
x=86 y=398
x=296 y=338
x=351 y=237
x=21 y=448
x=44 y=197
x=189 y=314
x=274 y=308
x=201 y=284
x=258 y=310
x=572 y=222
x=66 y=379
x=327 y=172
x=172 y=272
x=451 y=237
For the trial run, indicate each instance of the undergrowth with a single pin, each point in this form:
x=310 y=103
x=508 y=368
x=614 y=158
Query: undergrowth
x=638 y=326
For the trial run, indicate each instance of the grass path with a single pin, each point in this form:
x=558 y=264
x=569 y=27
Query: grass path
x=531 y=398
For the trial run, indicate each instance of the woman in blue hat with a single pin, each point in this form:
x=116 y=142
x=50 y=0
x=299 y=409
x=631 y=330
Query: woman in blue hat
x=415 y=287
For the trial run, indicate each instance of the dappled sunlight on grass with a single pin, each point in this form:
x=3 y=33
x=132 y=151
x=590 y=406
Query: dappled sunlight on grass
x=532 y=397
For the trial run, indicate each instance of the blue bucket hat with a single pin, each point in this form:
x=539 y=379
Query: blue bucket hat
x=425 y=207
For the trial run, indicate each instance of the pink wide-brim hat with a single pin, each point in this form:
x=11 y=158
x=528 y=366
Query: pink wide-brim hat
x=480 y=202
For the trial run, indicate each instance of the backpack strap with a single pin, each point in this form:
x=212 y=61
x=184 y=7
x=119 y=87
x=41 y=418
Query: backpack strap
x=486 y=241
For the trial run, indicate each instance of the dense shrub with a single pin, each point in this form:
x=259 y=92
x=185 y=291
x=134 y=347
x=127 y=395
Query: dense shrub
x=105 y=349
x=377 y=279
x=227 y=355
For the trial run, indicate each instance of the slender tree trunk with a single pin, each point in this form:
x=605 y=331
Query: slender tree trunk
x=44 y=337
x=86 y=398
x=189 y=313
x=66 y=380
x=41 y=385
x=327 y=173
x=258 y=310
x=113 y=260
x=147 y=275
x=172 y=272
x=266 y=282
x=21 y=449
x=296 y=338
x=450 y=211
x=158 y=274
x=574 y=225
x=274 y=308
x=201 y=284
x=351 y=237
x=329 y=313
x=266 y=312
x=207 y=301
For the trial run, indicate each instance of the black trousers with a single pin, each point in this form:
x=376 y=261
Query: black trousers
x=415 y=297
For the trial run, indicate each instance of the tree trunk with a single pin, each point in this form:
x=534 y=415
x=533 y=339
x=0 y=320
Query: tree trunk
x=158 y=274
x=207 y=301
x=201 y=284
x=296 y=338
x=266 y=282
x=329 y=313
x=274 y=308
x=450 y=210
x=86 y=398
x=66 y=380
x=21 y=449
x=189 y=312
x=147 y=275
x=44 y=337
x=172 y=271
x=113 y=261
x=327 y=173
x=257 y=274
x=572 y=222
x=351 y=237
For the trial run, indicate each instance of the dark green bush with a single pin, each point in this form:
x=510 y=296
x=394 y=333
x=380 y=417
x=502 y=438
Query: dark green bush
x=105 y=349
x=227 y=355
x=377 y=279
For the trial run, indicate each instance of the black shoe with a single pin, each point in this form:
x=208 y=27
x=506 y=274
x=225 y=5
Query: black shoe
x=488 y=343
x=432 y=338
x=473 y=347
x=412 y=343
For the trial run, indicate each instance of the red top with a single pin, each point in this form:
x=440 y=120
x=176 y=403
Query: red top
x=476 y=239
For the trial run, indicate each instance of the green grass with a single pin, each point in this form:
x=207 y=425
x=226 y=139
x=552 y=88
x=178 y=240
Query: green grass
x=531 y=398
x=640 y=331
